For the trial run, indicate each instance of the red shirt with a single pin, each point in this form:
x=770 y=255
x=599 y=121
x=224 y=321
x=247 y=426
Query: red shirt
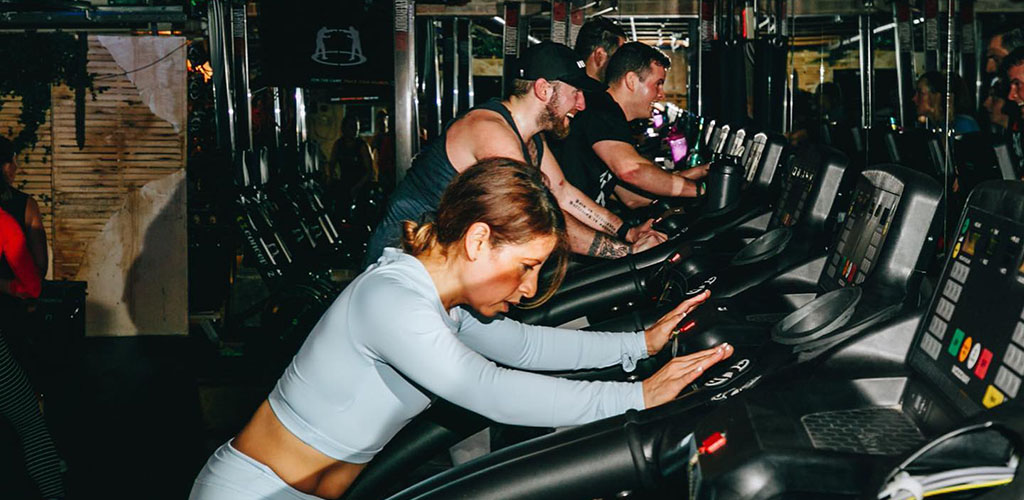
x=14 y=249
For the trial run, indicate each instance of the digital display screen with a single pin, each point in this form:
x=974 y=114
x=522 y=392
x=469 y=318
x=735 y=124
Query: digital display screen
x=863 y=235
x=971 y=343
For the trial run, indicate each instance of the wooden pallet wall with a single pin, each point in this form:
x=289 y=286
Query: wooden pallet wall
x=86 y=194
x=126 y=147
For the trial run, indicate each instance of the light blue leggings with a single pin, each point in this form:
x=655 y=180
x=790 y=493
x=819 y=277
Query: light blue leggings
x=231 y=475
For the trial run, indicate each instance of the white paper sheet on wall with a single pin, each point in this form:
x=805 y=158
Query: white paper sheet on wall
x=158 y=84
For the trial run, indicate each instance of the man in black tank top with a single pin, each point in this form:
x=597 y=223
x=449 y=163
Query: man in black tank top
x=547 y=90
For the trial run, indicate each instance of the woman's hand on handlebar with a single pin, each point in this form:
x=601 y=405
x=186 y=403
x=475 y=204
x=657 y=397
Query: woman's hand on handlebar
x=680 y=372
x=661 y=332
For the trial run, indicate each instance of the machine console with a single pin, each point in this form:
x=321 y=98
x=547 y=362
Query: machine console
x=971 y=341
x=709 y=131
x=735 y=146
x=753 y=154
x=718 y=139
x=797 y=184
x=761 y=158
x=865 y=229
x=1004 y=160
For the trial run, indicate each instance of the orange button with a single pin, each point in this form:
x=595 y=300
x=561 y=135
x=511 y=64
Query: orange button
x=965 y=349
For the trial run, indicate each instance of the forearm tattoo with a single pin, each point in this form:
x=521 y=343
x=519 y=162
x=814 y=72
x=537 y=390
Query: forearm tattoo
x=583 y=211
x=607 y=247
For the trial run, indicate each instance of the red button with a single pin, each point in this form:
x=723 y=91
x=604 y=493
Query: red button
x=712 y=444
x=982 y=368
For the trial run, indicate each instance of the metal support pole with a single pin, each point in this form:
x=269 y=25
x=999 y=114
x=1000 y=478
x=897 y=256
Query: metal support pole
x=559 y=20
x=707 y=35
x=867 y=70
x=510 y=45
x=221 y=76
x=276 y=93
x=979 y=63
x=901 y=16
x=301 y=132
x=931 y=35
x=693 y=73
x=947 y=134
x=243 y=92
x=405 y=124
x=465 y=66
x=431 y=76
x=575 y=23
x=449 y=88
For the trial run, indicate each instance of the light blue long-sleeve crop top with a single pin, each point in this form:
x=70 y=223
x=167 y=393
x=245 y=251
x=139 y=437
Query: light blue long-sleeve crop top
x=343 y=395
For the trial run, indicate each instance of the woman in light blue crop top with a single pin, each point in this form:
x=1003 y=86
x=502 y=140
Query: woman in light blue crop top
x=430 y=317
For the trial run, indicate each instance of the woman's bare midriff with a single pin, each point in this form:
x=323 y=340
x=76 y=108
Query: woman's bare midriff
x=267 y=441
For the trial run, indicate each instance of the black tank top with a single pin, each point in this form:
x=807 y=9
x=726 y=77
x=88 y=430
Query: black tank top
x=431 y=172
x=13 y=202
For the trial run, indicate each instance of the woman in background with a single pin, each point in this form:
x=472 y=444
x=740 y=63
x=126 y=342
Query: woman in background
x=17 y=399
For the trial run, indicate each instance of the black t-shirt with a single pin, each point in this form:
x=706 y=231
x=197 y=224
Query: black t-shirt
x=602 y=120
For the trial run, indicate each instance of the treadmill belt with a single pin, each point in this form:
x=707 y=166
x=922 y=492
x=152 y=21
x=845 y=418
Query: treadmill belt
x=871 y=431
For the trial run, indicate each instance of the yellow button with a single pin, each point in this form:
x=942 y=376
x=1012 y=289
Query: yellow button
x=956 y=249
x=992 y=397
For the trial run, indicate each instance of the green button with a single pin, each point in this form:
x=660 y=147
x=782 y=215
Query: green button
x=967 y=222
x=954 y=345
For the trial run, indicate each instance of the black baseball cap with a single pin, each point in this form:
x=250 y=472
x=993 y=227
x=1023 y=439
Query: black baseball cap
x=554 y=61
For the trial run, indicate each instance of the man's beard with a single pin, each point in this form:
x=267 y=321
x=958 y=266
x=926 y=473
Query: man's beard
x=556 y=127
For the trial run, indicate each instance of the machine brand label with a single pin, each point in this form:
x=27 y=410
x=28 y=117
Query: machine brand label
x=734 y=371
x=960 y=375
x=722 y=396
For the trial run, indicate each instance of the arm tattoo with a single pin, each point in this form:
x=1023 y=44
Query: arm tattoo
x=591 y=215
x=607 y=247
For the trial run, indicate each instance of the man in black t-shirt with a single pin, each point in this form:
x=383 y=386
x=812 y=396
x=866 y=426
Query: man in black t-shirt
x=598 y=157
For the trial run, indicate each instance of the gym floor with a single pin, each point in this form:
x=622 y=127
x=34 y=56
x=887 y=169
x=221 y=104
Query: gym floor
x=136 y=417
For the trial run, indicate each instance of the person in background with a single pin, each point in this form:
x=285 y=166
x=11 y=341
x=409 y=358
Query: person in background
x=547 y=89
x=25 y=211
x=1012 y=69
x=384 y=151
x=1005 y=40
x=23 y=207
x=930 y=102
x=20 y=279
x=596 y=42
x=350 y=165
x=996 y=107
x=427 y=320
